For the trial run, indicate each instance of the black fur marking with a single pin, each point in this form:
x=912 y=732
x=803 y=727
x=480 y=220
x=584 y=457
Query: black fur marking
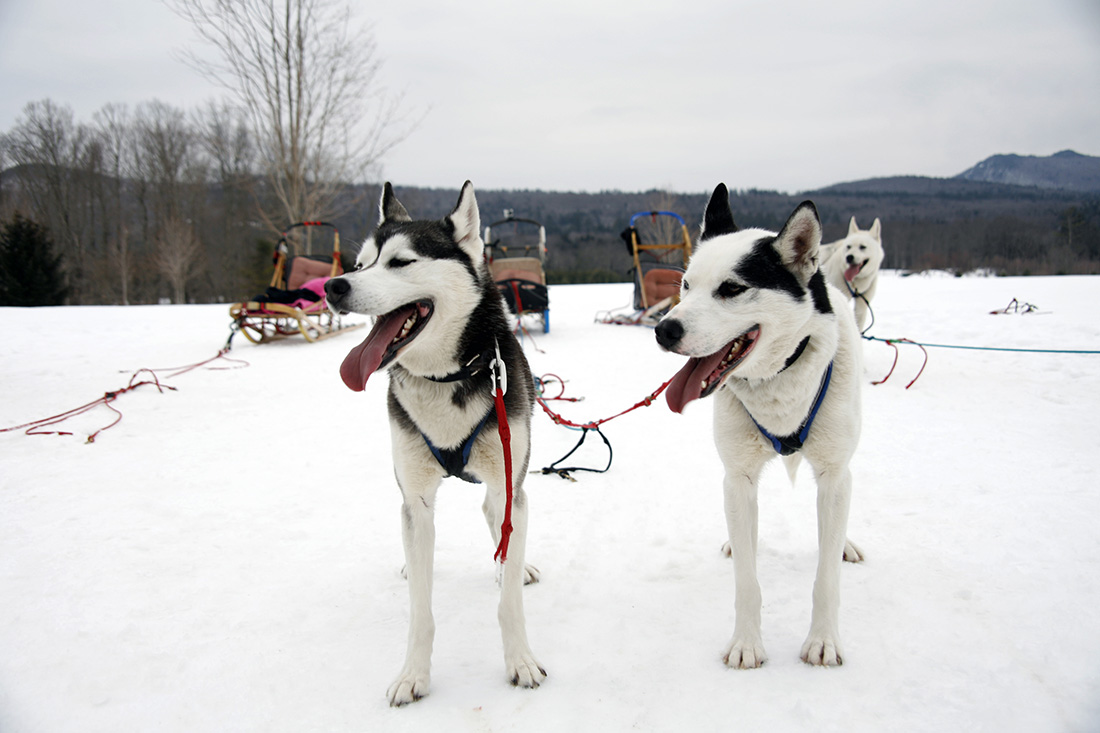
x=729 y=289
x=430 y=239
x=488 y=322
x=820 y=293
x=398 y=414
x=763 y=269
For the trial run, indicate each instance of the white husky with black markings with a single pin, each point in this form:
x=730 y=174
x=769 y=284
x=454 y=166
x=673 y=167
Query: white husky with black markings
x=440 y=326
x=779 y=349
x=852 y=264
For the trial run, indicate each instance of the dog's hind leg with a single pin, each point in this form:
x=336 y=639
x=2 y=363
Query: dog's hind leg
x=520 y=664
x=852 y=553
x=418 y=535
x=746 y=648
x=834 y=489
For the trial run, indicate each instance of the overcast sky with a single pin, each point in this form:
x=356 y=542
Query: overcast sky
x=588 y=95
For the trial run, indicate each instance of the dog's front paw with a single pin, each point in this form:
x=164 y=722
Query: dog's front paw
x=822 y=650
x=745 y=653
x=409 y=687
x=852 y=553
x=531 y=575
x=524 y=671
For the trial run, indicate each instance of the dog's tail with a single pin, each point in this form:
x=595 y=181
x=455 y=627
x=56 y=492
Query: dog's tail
x=792 y=462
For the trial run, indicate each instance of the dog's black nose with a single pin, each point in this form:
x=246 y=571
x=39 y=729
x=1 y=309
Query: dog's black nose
x=335 y=289
x=669 y=332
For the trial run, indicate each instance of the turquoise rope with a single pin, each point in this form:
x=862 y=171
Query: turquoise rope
x=983 y=348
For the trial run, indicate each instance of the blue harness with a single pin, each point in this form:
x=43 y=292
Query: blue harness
x=792 y=443
x=454 y=460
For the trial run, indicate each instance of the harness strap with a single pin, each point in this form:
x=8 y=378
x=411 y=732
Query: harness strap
x=797 y=353
x=788 y=444
x=470 y=369
x=454 y=460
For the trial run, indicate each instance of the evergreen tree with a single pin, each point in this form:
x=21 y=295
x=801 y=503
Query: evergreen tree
x=30 y=273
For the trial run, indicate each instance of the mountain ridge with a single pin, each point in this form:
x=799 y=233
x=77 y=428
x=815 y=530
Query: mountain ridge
x=1066 y=169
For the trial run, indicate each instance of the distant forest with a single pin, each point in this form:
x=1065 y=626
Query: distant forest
x=164 y=211
x=927 y=223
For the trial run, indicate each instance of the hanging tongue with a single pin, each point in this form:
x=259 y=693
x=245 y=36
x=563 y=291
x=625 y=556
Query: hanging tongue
x=365 y=358
x=851 y=272
x=687 y=385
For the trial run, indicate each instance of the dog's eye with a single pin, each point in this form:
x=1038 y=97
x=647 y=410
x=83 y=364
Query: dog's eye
x=684 y=285
x=730 y=289
x=399 y=262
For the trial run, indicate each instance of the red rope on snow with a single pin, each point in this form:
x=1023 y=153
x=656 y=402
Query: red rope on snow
x=893 y=344
x=545 y=379
x=559 y=420
x=35 y=427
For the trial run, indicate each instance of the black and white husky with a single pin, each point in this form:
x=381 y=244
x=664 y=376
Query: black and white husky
x=440 y=325
x=778 y=348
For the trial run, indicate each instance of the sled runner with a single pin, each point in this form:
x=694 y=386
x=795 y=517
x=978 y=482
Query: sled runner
x=516 y=260
x=294 y=302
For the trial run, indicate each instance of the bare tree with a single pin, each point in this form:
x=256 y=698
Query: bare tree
x=114 y=127
x=227 y=144
x=164 y=156
x=225 y=139
x=309 y=87
x=178 y=256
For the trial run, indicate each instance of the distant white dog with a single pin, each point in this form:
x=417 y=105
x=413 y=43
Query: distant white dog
x=851 y=265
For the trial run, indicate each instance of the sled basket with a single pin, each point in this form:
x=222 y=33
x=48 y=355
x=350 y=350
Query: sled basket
x=294 y=302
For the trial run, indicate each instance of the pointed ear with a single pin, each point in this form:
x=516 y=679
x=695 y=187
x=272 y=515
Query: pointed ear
x=799 y=243
x=876 y=230
x=718 y=217
x=389 y=208
x=852 y=227
x=466 y=222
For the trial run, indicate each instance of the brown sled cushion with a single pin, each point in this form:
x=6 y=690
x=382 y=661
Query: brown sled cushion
x=661 y=284
x=304 y=269
x=518 y=268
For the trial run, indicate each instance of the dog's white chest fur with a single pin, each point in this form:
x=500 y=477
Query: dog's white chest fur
x=430 y=406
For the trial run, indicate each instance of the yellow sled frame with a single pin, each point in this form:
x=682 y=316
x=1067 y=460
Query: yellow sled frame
x=265 y=322
x=684 y=247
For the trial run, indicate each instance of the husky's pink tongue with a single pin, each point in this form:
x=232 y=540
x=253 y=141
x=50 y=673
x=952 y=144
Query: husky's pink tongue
x=851 y=272
x=687 y=385
x=364 y=359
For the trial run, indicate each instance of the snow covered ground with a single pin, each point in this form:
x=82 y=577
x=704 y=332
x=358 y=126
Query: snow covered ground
x=227 y=557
